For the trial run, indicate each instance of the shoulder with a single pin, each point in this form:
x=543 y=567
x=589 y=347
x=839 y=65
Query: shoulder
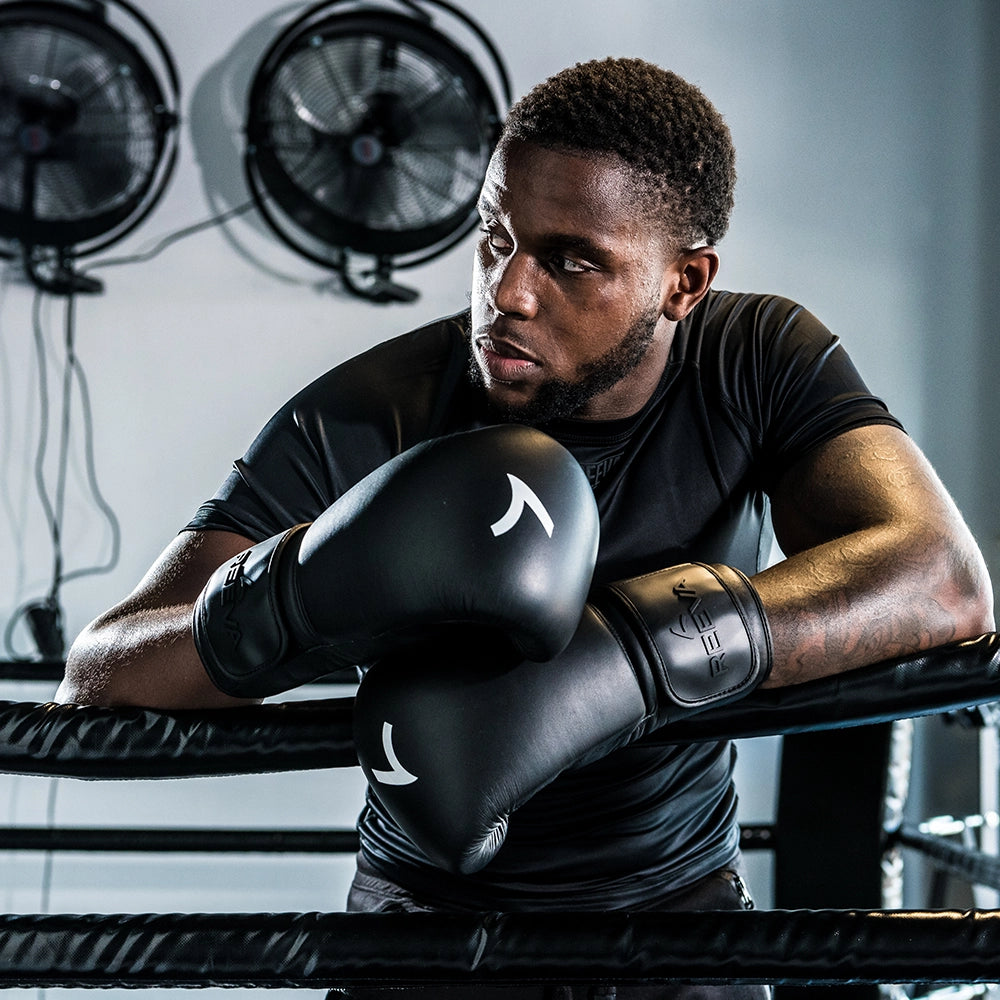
x=426 y=346
x=395 y=387
x=392 y=365
x=758 y=350
x=381 y=402
x=776 y=368
x=340 y=427
x=738 y=322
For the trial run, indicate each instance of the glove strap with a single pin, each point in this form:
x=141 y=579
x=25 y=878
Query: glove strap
x=238 y=624
x=695 y=634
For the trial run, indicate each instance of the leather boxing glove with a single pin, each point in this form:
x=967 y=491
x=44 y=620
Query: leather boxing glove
x=495 y=527
x=452 y=749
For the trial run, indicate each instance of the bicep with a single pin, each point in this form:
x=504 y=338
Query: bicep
x=183 y=568
x=867 y=478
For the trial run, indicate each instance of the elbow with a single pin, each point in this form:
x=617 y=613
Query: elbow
x=981 y=615
x=100 y=667
x=83 y=683
x=972 y=601
x=947 y=591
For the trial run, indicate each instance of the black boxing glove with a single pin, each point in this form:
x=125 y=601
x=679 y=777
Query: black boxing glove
x=452 y=749
x=497 y=527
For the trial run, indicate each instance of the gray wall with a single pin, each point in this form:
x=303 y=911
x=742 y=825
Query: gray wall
x=867 y=139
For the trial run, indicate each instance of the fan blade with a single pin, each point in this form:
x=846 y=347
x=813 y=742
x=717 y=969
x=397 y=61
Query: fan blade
x=327 y=86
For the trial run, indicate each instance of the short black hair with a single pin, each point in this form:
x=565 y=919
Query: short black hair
x=650 y=118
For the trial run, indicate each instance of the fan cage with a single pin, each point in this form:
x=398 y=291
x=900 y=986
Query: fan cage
x=370 y=131
x=87 y=129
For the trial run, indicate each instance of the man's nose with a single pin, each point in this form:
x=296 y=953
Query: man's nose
x=515 y=291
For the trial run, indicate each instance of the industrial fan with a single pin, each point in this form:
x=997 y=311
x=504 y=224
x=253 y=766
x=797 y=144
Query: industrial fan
x=368 y=132
x=87 y=131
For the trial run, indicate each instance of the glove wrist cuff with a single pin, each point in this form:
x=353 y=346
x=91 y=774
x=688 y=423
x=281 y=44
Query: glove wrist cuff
x=700 y=631
x=240 y=626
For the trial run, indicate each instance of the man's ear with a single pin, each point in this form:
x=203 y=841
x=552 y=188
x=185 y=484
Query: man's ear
x=687 y=280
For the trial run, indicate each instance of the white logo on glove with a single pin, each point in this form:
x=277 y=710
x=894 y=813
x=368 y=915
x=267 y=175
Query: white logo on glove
x=520 y=495
x=398 y=775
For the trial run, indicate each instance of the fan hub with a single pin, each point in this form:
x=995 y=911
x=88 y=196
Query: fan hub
x=367 y=150
x=35 y=140
x=45 y=109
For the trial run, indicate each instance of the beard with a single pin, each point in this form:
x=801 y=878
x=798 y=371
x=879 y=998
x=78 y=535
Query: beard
x=558 y=398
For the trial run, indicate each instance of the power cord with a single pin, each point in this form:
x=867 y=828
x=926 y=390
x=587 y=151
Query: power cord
x=44 y=616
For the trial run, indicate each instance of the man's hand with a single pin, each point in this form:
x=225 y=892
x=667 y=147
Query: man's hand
x=455 y=737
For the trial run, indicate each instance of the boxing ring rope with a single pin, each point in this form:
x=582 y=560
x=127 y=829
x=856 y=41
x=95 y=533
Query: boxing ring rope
x=90 y=742
x=313 y=950
x=322 y=950
x=86 y=741
x=974 y=866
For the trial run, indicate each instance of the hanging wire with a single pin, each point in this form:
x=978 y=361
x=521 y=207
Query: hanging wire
x=90 y=466
x=35 y=607
x=171 y=238
x=59 y=504
x=43 y=416
x=45 y=616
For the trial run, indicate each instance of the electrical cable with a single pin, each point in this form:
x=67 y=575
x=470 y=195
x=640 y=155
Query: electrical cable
x=171 y=238
x=90 y=464
x=59 y=505
x=43 y=414
x=45 y=613
x=45 y=616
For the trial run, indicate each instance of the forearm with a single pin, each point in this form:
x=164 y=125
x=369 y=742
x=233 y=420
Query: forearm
x=142 y=652
x=146 y=657
x=872 y=595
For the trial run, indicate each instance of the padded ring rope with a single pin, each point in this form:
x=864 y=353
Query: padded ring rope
x=311 y=950
x=88 y=742
x=976 y=867
x=75 y=741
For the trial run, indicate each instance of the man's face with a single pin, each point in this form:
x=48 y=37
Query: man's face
x=568 y=289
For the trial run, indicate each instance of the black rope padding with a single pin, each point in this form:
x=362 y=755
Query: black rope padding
x=974 y=866
x=317 y=950
x=88 y=742
x=196 y=839
x=943 y=679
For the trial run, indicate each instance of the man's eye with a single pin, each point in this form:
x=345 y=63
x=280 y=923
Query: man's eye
x=568 y=266
x=495 y=239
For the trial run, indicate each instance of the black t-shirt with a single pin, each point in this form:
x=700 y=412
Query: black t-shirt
x=752 y=384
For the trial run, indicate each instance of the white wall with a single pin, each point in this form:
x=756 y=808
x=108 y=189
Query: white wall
x=859 y=129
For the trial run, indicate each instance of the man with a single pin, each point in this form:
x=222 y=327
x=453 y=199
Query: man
x=700 y=417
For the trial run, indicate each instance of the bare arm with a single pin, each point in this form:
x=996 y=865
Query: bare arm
x=880 y=562
x=141 y=652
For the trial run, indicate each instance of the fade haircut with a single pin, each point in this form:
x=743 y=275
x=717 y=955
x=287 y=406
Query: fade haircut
x=661 y=126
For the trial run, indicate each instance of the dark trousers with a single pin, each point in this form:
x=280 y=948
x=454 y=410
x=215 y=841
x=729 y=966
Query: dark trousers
x=721 y=890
